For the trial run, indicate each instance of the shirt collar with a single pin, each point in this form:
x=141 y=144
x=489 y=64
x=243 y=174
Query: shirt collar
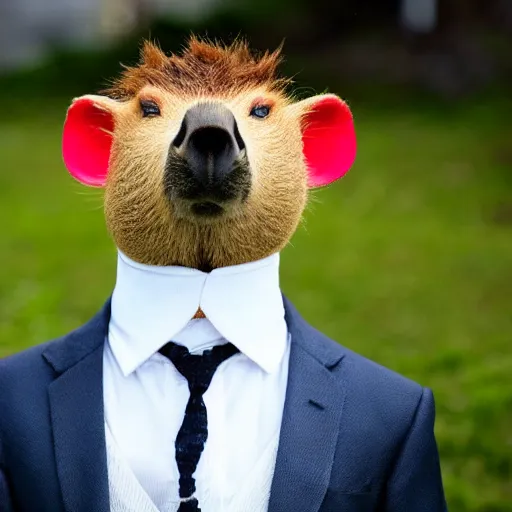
x=152 y=305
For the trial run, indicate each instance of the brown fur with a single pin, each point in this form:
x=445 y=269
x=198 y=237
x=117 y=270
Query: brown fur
x=202 y=68
x=153 y=230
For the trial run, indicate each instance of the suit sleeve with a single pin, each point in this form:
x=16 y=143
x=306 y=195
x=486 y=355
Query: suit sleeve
x=5 y=496
x=5 y=499
x=415 y=483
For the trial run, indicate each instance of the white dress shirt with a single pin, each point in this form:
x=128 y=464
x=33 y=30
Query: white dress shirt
x=145 y=396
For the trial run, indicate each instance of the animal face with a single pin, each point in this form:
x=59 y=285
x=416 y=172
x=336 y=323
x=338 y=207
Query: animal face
x=205 y=161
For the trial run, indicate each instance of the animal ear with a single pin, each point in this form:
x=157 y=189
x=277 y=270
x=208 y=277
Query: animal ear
x=329 y=138
x=87 y=138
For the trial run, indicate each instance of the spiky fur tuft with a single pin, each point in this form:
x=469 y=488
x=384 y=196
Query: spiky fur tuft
x=203 y=67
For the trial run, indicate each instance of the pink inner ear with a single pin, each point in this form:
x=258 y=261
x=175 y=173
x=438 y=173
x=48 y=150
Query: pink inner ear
x=86 y=142
x=329 y=141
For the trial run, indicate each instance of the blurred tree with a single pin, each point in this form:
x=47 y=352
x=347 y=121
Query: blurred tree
x=441 y=46
x=452 y=47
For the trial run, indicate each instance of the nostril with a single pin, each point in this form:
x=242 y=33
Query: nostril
x=239 y=140
x=180 y=137
x=211 y=141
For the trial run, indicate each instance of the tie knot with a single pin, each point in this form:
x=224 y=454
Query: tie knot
x=197 y=369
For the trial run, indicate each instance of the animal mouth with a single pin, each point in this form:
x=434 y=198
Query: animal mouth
x=194 y=199
x=206 y=209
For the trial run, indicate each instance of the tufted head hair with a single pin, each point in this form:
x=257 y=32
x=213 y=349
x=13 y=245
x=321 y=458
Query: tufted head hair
x=202 y=68
x=205 y=161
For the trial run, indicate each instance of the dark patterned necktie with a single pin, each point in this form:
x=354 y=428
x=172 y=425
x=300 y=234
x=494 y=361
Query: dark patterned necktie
x=199 y=371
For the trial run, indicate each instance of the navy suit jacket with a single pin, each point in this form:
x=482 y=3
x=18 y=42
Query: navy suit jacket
x=355 y=437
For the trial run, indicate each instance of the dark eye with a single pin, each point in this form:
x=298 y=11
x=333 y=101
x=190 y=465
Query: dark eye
x=260 y=111
x=149 y=108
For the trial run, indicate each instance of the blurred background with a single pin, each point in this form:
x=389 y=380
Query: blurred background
x=407 y=260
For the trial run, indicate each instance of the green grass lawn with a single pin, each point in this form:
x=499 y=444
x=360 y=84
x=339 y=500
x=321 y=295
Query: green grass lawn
x=407 y=260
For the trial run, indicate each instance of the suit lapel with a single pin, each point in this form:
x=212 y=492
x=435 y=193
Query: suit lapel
x=76 y=405
x=311 y=419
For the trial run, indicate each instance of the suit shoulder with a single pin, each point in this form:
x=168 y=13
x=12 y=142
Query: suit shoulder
x=28 y=363
x=358 y=368
x=379 y=376
x=63 y=352
x=363 y=378
x=379 y=392
x=379 y=403
x=25 y=358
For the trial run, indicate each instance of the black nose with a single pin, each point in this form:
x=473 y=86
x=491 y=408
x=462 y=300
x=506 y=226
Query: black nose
x=210 y=142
